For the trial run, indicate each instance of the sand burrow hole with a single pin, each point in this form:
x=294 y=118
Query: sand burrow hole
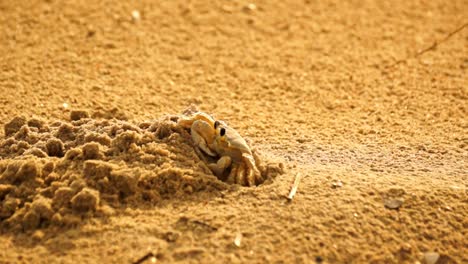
x=59 y=173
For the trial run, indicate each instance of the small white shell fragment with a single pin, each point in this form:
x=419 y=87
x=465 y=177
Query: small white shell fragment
x=238 y=239
x=393 y=203
x=136 y=15
x=431 y=257
x=251 y=6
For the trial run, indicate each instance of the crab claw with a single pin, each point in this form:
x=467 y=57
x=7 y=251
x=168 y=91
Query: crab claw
x=187 y=122
x=219 y=167
x=201 y=131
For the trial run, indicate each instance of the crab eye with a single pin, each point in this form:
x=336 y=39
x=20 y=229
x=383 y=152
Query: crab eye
x=222 y=131
x=216 y=124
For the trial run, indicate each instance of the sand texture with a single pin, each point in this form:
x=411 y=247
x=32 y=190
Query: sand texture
x=365 y=100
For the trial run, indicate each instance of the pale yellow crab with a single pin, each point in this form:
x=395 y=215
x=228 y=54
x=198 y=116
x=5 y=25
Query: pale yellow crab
x=222 y=142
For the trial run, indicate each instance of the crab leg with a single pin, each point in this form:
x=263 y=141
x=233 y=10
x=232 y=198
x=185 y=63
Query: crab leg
x=240 y=175
x=258 y=161
x=253 y=175
x=219 y=167
x=199 y=140
x=232 y=175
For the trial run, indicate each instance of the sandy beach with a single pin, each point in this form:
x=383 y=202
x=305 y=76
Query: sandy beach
x=365 y=101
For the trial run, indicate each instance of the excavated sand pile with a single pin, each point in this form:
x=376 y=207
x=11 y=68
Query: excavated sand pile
x=63 y=172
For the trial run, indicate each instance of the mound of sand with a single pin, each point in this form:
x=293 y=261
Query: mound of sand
x=63 y=172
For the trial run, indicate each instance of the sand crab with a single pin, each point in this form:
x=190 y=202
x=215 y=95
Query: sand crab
x=219 y=141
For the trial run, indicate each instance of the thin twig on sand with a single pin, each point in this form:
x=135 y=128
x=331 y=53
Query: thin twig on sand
x=294 y=187
x=432 y=47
